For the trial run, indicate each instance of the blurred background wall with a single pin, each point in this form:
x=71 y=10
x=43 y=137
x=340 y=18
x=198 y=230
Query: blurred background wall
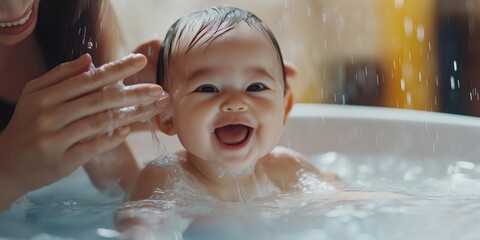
x=416 y=54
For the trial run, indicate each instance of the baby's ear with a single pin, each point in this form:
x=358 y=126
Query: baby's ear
x=165 y=125
x=290 y=70
x=164 y=121
x=290 y=74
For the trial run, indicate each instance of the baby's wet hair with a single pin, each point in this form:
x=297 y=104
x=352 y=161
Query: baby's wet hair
x=207 y=25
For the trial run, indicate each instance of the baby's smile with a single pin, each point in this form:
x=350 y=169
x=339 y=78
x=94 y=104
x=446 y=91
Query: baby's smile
x=233 y=136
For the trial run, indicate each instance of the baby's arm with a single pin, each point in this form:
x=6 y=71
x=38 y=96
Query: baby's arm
x=287 y=169
x=134 y=216
x=151 y=178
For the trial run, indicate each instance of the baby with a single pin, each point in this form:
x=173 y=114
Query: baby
x=225 y=74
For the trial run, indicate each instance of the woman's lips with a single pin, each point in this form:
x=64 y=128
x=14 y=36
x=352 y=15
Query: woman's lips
x=233 y=134
x=18 y=26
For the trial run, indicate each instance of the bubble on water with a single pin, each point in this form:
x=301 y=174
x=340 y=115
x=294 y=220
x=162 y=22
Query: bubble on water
x=108 y=233
x=69 y=203
x=309 y=182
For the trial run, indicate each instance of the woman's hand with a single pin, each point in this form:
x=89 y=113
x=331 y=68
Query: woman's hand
x=68 y=116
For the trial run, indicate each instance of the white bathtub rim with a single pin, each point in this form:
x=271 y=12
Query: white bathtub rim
x=367 y=113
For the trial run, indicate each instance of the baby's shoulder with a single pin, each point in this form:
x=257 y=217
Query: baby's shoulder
x=283 y=155
x=285 y=166
x=281 y=166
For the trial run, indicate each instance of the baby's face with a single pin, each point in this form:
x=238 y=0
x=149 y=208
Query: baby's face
x=228 y=99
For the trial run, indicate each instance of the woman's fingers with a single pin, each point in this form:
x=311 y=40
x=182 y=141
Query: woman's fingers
x=82 y=152
x=107 y=121
x=94 y=79
x=115 y=97
x=60 y=73
x=143 y=112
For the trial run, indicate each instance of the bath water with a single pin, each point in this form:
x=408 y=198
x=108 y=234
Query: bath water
x=388 y=198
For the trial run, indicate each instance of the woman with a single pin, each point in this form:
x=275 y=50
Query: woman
x=57 y=110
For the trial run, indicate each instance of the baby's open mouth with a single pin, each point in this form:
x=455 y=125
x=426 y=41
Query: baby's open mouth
x=234 y=134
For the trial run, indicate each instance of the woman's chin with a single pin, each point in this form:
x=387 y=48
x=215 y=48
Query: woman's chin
x=10 y=40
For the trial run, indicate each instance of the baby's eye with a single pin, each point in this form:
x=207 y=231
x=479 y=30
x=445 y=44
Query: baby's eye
x=256 y=87
x=207 y=88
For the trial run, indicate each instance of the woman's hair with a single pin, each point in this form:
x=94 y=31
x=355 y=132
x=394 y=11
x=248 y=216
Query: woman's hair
x=67 y=29
x=207 y=25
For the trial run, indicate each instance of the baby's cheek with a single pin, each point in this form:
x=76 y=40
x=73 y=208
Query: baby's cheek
x=190 y=129
x=187 y=136
x=272 y=129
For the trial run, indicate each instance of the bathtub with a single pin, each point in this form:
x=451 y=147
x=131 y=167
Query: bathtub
x=431 y=158
x=317 y=128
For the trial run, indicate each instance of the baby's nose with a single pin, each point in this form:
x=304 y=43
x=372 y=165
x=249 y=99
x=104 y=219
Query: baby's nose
x=234 y=104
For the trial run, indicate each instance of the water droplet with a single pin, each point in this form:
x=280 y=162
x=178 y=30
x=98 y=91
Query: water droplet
x=398 y=3
x=452 y=82
x=408 y=26
x=420 y=33
x=402 y=84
